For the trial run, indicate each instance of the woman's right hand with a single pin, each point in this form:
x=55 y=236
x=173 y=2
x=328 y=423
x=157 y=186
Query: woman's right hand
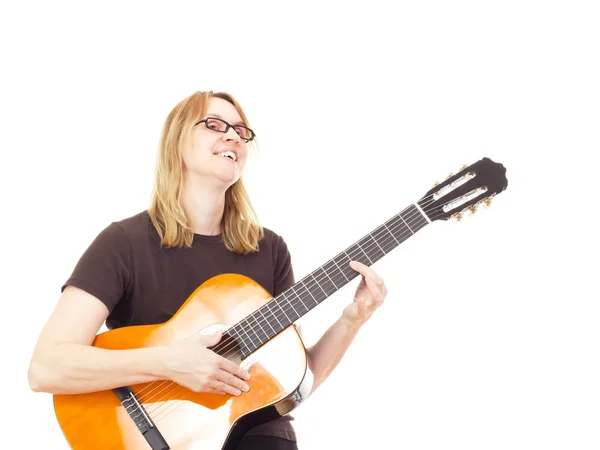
x=192 y=365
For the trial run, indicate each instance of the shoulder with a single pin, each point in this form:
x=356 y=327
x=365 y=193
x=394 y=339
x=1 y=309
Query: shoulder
x=273 y=240
x=275 y=244
x=282 y=261
x=130 y=227
x=132 y=223
x=119 y=233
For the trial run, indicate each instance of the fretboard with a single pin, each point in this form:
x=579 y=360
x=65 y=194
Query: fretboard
x=286 y=308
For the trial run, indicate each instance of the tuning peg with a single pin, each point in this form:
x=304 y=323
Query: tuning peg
x=472 y=209
x=457 y=216
x=449 y=175
x=487 y=202
x=435 y=184
x=464 y=166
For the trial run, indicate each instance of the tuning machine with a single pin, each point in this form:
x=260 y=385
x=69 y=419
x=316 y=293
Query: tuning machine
x=464 y=166
x=457 y=216
x=450 y=175
x=486 y=202
x=435 y=184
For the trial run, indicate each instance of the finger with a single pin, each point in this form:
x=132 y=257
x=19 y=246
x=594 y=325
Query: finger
x=228 y=379
x=215 y=391
x=220 y=385
x=366 y=271
x=233 y=368
x=211 y=339
x=375 y=290
x=361 y=307
x=359 y=267
x=378 y=282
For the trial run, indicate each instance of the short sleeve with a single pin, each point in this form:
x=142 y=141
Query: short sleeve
x=284 y=272
x=104 y=268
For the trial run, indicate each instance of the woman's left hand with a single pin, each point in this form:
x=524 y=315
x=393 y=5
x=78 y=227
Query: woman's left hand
x=369 y=295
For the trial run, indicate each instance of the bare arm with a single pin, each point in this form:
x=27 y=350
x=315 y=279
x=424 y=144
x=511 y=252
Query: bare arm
x=326 y=354
x=64 y=362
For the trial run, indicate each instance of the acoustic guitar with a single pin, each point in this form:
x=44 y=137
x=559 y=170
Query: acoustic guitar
x=258 y=333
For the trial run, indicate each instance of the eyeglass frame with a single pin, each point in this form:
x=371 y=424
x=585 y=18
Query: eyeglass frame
x=228 y=126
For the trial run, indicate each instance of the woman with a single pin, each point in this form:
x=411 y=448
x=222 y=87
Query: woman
x=140 y=271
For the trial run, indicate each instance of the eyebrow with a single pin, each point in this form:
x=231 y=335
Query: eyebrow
x=220 y=117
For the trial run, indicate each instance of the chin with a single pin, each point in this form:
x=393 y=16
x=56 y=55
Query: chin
x=229 y=181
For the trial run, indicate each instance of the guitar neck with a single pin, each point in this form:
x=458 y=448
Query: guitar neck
x=286 y=308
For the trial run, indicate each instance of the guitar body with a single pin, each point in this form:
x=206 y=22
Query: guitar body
x=186 y=419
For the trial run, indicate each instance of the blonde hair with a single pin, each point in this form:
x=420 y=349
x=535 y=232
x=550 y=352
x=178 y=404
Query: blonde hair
x=241 y=230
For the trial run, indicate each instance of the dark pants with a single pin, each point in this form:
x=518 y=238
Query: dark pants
x=254 y=442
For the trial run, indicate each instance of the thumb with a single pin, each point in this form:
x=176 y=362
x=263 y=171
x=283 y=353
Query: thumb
x=211 y=339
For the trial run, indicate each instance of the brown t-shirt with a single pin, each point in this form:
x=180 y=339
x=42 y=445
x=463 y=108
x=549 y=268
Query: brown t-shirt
x=142 y=283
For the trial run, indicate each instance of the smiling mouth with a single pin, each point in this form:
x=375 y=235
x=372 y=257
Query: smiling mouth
x=227 y=155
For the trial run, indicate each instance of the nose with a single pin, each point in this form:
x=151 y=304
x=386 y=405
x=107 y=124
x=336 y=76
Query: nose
x=231 y=134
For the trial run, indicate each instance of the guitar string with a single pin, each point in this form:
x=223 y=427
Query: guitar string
x=232 y=343
x=167 y=408
x=168 y=411
x=161 y=411
x=171 y=407
x=312 y=285
x=370 y=246
x=146 y=397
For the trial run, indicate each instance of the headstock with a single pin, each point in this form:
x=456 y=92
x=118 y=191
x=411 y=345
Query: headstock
x=463 y=192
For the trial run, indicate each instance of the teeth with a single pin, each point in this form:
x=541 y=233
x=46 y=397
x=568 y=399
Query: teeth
x=227 y=154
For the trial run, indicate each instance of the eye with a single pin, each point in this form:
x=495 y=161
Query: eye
x=242 y=132
x=214 y=124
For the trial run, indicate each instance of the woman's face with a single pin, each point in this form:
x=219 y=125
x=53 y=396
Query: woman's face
x=213 y=155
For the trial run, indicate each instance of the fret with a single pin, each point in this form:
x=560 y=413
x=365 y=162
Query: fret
x=395 y=228
x=354 y=253
x=339 y=270
x=326 y=281
x=283 y=318
x=372 y=247
x=266 y=321
x=243 y=334
x=287 y=307
x=391 y=234
x=246 y=343
x=250 y=331
x=315 y=295
x=257 y=328
x=377 y=243
x=241 y=342
x=417 y=220
x=297 y=299
x=287 y=320
x=277 y=327
x=343 y=261
x=271 y=318
x=325 y=294
x=288 y=313
x=364 y=252
x=400 y=215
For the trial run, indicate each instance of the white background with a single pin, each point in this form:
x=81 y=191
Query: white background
x=489 y=337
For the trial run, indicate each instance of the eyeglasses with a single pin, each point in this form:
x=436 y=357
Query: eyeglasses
x=214 y=124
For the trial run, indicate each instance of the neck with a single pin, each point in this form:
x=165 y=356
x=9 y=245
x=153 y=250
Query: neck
x=204 y=204
x=280 y=312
